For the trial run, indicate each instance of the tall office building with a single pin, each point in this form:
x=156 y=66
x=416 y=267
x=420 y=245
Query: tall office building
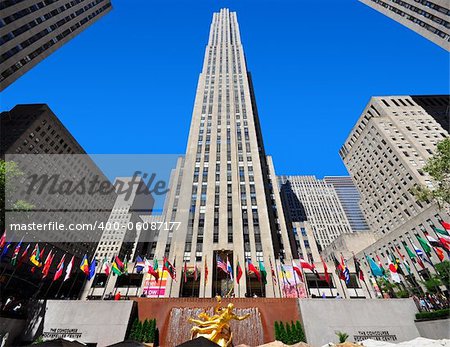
x=385 y=154
x=349 y=197
x=306 y=198
x=30 y=30
x=224 y=192
x=34 y=138
x=431 y=19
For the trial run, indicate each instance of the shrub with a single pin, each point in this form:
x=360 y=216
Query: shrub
x=342 y=336
x=439 y=314
x=289 y=333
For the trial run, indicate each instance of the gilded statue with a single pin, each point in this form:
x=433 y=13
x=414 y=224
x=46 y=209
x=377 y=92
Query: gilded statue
x=216 y=328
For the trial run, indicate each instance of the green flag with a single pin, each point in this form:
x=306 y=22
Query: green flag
x=410 y=253
x=440 y=231
x=407 y=267
x=426 y=247
x=263 y=271
x=115 y=269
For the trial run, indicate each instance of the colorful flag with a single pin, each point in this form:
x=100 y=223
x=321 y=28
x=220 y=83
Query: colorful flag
x=195 y=273
x=441 y=232
x=376 y=271
x=170 y=269
x=69 y=268
x=263 y=272
x=47 y=264
x=252 y=268
x=393 y=270
x=413 y=256
x=105 y=266
x=24 y=255
x=229 y=269
x=339 y=268
x=380 y=264
x=238 y=272
x=119 y=262
x=426 y=247
x=346 y=270
x=115 y=269
x=92 y=269
x=305 y=265
x=420 y=256
x=154 y=271
x=139 y=264
x=84 y=265
x=16 y=253
x=283 y=272
x=59 y=269
x=221 y=264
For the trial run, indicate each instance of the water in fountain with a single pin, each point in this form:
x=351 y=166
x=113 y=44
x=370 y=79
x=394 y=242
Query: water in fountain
x=249 y=331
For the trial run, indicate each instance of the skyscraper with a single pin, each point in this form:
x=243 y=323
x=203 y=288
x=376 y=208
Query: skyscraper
x=431 y=19
x=349 y=197
x=385 y=154
x=224 y=192
x=30 y=30
x=306 y=198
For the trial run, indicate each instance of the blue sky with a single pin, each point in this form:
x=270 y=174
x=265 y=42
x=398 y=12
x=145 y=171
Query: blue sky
x=127 y=83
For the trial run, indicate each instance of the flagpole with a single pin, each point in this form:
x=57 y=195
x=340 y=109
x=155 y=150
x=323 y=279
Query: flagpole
x=204 y=279
x=59 y=289
x=160 y=279
x=215 y=268
x=132 y=271
x=193 y=282
x=73 y=283
x=95 y=275
x=171 y=279
x=412 y=260
x=429 y=259
x=239 y=287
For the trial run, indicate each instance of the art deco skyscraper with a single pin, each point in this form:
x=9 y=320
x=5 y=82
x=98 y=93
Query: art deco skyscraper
x=30 y=30
x=431 y=19
x=224 y=192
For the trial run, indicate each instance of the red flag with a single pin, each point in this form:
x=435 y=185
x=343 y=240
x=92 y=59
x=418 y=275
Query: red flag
x=48 y=263
x=252 y=268
x=119 y=262
x=195 y=273
x=305 y=265
x=439 y=253
x=3 y=240
x=185 y=272
x=238 y=272
x=167 y=266
x=325 y=269
x=206 y=271
x=446 y=225
x=297 y=270
x=59 y=269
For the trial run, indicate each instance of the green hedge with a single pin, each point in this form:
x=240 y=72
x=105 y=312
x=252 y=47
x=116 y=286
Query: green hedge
x=445 y=313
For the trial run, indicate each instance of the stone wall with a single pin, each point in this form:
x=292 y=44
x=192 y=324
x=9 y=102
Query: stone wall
x=434 y=329
x=102 y=322
x=387 y=320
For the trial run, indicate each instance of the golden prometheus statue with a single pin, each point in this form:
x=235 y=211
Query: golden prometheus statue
x=216 y=328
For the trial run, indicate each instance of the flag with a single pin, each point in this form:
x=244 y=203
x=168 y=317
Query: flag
x=3 y=240
x=393 y=270
x=297 y=270
x=170 y=269
x=115 y=269
x=229 y=269
x=408 y=268
x=125 y=266
x=274 y=276
x=105 y=266
x=358 y=270
x=195 y=273
x=376 y=271
x=139 y=264
x=185 y=272
x=420 y=256
x=325 y=270
x=206 y=271
x=16 y=253
x=283 y=272
x=263 y=272
x=444 y=224
x=441 y=231
x=221 y=264
x=402 y=257
x=47 y=264
x=305 y=265
x=153 y=270
x=24 y=255
x=119 y=262
x=92 y=269
x=380 y=264
x=84 y=265
x=426 y=247
x=5 y=250
x=59 y=269
x=439 y=253
x=238 y=272
x=252 y=268
x=339 y=268
x=35 y=257
x=346 y=271
x=69 y=269
x=413 y=256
